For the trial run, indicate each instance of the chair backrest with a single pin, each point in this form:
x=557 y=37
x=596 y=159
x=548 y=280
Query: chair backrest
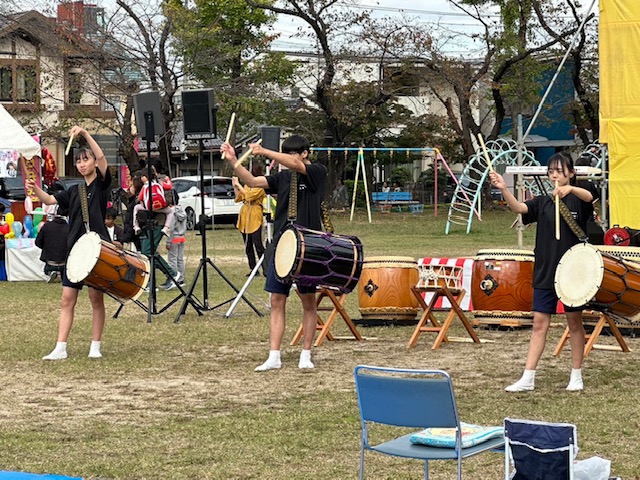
x=541 y=450
x=405 y=397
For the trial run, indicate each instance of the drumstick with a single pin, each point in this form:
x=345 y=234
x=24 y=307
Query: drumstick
x=486 y=155
x=557 y=214
x=66 y=152
x=230 y=128
x=245 y=155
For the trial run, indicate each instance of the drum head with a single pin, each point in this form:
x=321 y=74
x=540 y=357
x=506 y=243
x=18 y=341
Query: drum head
x=286 y=253
x=83 y=257
x=579 y=275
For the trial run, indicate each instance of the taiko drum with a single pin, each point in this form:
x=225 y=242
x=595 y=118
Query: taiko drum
x=606 y=279
x=502 y=286
x=384 y=290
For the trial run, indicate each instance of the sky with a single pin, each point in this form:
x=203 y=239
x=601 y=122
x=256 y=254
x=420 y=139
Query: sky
x=432 y=11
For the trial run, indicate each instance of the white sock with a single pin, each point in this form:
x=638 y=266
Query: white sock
x=94 y=350
x=272 y=362
x=58 y=353
x=575 y=381
x=305 y=359
x=526 y=382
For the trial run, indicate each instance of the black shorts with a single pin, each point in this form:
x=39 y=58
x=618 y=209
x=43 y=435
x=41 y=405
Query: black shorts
x=546 y=301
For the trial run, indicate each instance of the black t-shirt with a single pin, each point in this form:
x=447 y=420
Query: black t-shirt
x=98 y=195
x=548 y=251
x=310 y=195
x=52 y=240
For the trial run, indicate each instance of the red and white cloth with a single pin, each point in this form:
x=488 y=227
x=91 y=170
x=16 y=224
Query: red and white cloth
x=467 y=271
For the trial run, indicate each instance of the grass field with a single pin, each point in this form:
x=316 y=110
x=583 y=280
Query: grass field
x=181 y=401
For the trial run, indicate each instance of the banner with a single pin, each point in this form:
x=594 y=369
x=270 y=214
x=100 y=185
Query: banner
x=31 y=169
x=9 y=163
x=619 y=36
x=125 y=177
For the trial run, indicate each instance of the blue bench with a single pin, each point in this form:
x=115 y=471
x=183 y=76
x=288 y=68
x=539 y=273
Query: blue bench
x=385 y=201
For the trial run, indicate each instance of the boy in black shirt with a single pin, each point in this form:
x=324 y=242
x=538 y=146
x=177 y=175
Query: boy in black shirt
x=92 y=165
x=52 y=240
x=311 y=179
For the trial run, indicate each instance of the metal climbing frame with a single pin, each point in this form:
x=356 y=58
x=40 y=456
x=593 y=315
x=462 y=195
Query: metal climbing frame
x=466 y=197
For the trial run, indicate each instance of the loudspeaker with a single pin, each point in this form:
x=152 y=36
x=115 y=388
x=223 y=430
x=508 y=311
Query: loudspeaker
x=595 y=233
x=198 y=114
x=148 y=102
x=270 y=136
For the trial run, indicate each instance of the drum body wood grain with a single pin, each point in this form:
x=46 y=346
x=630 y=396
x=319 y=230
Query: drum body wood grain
x=99 y=264
x=384 y=290
x=502 y=287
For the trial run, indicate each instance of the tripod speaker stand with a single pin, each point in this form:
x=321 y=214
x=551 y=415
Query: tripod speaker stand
x=150 y=103
x=204 y=259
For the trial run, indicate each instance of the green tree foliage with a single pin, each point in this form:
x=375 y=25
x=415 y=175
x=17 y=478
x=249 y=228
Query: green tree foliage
x=225 y=46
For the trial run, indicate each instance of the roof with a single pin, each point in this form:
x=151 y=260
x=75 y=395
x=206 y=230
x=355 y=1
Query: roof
x=14 y=137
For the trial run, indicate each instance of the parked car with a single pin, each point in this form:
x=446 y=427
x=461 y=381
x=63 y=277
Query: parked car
x=219 y=199
x=64 y=183
x=12 y=188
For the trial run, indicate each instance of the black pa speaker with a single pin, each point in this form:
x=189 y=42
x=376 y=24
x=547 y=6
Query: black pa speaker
x=198 y=114
x=148 y=103
x=270 y=136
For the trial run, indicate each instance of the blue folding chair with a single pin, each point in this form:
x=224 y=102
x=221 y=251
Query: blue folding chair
x=539 y=450
x=416 y=399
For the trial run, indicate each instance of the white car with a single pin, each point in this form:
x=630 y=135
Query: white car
x=219 y=199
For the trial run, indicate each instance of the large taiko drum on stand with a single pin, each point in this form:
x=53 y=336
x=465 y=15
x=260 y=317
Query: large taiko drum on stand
x=308 y=257
x=122 y=274
x=502 y=287
x=384 y=291
x=606 y=279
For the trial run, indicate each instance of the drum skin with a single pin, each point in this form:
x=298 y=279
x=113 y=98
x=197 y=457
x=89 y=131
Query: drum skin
x=384 y=290
x=99 y=264
x=502 y=282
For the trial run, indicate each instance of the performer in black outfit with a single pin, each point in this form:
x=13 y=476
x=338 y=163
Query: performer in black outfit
x=92 y=165
x=311 y=180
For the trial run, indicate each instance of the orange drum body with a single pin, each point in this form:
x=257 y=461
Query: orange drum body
x=502 y=287
x=101 y=265
x=384 y=290
x=606 y=279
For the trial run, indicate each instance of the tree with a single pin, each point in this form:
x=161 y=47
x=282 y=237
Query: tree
x=352 y=112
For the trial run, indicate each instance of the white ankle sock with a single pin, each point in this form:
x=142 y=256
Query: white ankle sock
x=58 y=353
x=526 y=382
x=272 y=362
x=305 y=359
x=575 y=381
x=94 y=350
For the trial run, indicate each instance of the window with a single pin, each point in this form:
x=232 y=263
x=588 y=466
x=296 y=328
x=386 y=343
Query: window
x=75 y=86
x=18 y=83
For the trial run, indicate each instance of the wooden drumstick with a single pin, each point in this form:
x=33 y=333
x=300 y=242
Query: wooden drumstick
x=486 y=154
x=245 y=155
x=557 y=213
x=66 y=152
x=230 y=128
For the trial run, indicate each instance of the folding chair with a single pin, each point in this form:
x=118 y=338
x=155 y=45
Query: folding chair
x=539 y=450
x=414 y=399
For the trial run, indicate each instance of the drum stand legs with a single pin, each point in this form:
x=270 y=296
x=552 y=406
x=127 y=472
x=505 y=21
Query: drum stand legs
x=244 y=289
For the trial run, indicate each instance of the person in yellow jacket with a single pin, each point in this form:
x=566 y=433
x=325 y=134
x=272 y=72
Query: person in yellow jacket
x=250 y=217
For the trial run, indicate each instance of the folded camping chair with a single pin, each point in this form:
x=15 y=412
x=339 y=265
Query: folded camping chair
x=415 y=399
x=539 y=450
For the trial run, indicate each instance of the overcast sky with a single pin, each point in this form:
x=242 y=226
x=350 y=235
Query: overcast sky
x=424 y=11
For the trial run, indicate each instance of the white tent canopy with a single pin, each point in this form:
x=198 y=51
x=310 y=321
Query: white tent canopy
x=14 y=137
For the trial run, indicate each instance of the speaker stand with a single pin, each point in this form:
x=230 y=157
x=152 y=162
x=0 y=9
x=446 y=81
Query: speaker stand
x=205 y=260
